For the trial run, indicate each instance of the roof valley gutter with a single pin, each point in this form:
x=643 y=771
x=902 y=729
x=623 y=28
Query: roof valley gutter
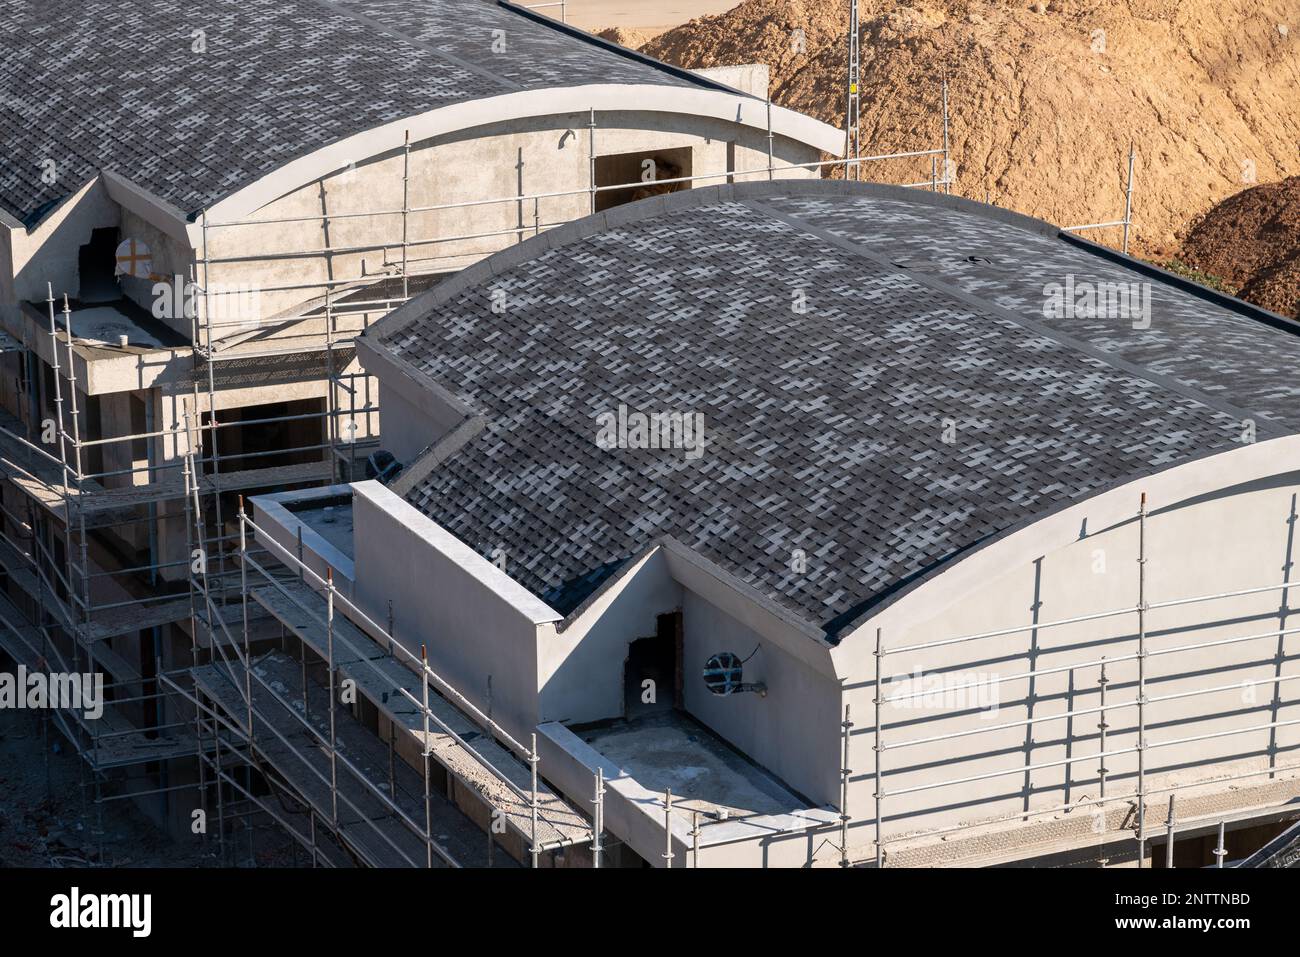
x=1264 y=426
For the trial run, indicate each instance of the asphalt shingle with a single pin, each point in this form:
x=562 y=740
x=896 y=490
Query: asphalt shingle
x=119 y=84
x=905 y=416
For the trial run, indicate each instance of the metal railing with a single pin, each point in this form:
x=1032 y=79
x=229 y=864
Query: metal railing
x=1139 y=707
x=253 y=573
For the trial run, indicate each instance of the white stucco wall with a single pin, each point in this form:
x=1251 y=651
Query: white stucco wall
x=478 y=622
x=581 y=667
x=48 y=254
x=791 y=730
x=408 y=430
x=473 y=619
x=1222 y=524
x=495 y=161
x=752 y=78
x=169 y=257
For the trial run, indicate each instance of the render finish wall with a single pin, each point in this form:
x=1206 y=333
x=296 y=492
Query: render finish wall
x=497 y=161
x=1222 y=524
x=580 y=668
x=407 y=431
x=475 y=622
x=793 y=729
x=545 y=154
x=168 y=258
x=48 y=253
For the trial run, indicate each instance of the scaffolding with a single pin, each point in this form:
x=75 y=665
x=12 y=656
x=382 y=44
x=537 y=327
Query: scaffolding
x=373 y=794
x=1114 y=817
x=57 y=538
x=1125 y=224
x=1112 y=741
x=852 y=101
x=71 y=542
x=335 y=309
x=400 y=266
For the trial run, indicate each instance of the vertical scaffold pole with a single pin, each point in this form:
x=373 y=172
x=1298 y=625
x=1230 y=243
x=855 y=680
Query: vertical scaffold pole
x=879 y=749
x=306 y=703
x=67 y=479
x=1220 y=850
x=591 y=155
x=58 y=423
x=1101 y=730
x=597 y=817
x=205 y=333
x=1142 y=682
x=947 y=154
x=243 y=602
x=851 y=107
x=201 y=737
x=45 y=634
x=668 y=828
x=1169 y=839
x=331 y=422
x=329 y=651
x=406 y=205
x=532 y=804
x=1128 y=196
x=216 y=480
x=428 y=792
x=846 y=729
x=189 y=542
x=83 y=547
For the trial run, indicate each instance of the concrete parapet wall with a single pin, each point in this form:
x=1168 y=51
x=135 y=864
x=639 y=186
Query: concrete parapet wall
x=476 y=623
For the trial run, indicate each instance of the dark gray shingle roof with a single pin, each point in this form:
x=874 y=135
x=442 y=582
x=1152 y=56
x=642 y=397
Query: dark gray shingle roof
x=115 y=84
x=825 y=431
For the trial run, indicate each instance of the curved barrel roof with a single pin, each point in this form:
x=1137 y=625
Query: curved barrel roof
x=882 y=386
x=193 y=101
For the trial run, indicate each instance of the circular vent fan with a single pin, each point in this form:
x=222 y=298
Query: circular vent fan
x=724 y=673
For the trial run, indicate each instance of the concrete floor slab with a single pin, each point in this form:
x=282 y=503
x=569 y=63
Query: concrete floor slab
x=332 y=521
x=669 y=750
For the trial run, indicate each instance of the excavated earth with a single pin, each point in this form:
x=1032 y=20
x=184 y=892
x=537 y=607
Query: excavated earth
x=1045 y=96
x=1250 y=243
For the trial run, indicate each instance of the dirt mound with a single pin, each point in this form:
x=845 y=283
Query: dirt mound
x=1251 y=241
x=1044 y=104
x=631 y=37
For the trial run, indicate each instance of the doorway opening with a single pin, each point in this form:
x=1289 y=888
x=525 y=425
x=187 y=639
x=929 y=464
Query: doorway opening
x=652 y=673
x=97 y=267
x=644 y=171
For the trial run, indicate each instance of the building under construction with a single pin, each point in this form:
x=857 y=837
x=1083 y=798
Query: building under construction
x=167 y=295
x=305 y=450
